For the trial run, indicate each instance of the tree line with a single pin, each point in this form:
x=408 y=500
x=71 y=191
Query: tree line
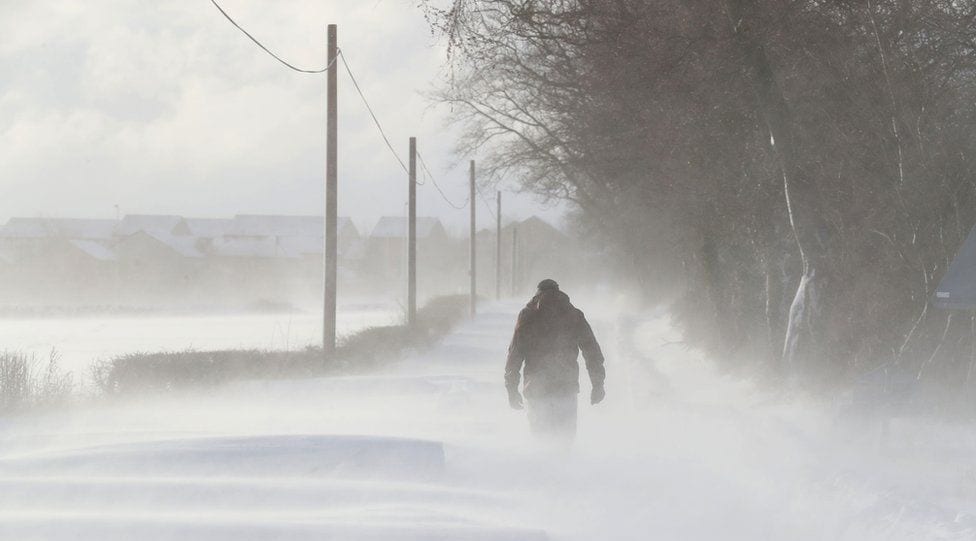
x=800 y=172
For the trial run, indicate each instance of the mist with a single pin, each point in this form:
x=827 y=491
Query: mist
x=562 y=271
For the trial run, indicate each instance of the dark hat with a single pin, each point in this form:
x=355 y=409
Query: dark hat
x=548 y=284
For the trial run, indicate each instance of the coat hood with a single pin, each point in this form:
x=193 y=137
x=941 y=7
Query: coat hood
x=550 y=299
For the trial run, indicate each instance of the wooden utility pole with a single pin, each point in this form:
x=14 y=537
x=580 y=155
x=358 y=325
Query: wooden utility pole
x=498 y=249
x=472 y=202
x=412 y=238
x=515 y=261
x=331 y=204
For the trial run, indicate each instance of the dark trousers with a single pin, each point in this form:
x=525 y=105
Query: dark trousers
x=553 y=417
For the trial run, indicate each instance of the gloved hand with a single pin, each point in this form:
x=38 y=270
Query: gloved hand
x=515 y=399
x=597 y=395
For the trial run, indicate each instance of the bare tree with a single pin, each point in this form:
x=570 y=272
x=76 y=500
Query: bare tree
x=799 y=171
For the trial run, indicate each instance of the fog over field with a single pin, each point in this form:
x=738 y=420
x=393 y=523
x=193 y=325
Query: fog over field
x=488 y=270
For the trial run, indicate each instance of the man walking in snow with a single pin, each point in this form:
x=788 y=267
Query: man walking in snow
x=549 y=335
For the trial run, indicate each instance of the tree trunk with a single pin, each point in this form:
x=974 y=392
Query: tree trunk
x=803 y=338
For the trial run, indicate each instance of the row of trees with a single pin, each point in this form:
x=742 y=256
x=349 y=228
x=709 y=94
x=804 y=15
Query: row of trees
x=802 y=171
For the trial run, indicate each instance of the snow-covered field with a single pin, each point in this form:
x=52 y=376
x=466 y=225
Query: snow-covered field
x=80 y=341
x=429 y=451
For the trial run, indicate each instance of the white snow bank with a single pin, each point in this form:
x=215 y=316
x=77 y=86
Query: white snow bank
x=282 y=456
x=679 y=451
x=206 y=526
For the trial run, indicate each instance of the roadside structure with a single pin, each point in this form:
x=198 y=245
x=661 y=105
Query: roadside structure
x=957 y=290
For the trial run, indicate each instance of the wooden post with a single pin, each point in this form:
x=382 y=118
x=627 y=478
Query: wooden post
x=498 y=249
x=515 y=261
x=472 y=202
x=412 y=238
x=331 y=203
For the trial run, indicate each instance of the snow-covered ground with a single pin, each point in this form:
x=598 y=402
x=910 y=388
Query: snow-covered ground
x=80 y=341
x=428 y=451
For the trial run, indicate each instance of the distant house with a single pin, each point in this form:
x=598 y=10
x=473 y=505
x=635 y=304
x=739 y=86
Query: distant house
x=63 y=270
x=164 y=223
x=93 y=250
x=397 y=227
x=386 y=249
x=541 y=251
x=72 y=228
x=9 y=279
x=250 y=269
x=209 y=228
x=8 y=258
x=261 y=225
x=309 y=247
x=251 y=248
x=157 y=265
x=30 y=235
x=304 y=233
x=60 y=259
x=161 y=258
x=154 y=246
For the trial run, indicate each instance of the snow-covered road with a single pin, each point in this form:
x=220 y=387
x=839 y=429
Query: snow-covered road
x=428 y=450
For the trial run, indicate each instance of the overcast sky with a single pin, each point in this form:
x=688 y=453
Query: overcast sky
x=164 y=107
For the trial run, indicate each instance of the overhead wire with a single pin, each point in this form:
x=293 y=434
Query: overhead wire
x=423 y=165
x=369 y=109
x=487 y=204
x=372 y=114
x=269 y=51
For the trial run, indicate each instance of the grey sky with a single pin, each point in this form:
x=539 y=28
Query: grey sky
x=164 y=107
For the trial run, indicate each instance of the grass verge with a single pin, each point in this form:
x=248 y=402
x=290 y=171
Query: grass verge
x=26 y=384
x=363 y=351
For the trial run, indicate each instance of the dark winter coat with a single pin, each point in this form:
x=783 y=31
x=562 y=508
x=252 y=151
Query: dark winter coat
x=549 y=336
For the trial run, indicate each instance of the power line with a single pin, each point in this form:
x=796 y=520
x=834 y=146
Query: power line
x=362 y=96
x=373 y=115
x=261 y=45
x=433 y=181
x=487 y=204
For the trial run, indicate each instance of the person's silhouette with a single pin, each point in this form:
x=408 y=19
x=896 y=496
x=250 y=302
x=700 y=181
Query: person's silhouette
x=549 y=335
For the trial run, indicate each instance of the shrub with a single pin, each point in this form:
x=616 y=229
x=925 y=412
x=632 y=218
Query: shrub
x=24 y=387
x=365 y=350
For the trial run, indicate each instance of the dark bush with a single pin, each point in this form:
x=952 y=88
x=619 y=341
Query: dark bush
x=365 y=350
x=23 y=386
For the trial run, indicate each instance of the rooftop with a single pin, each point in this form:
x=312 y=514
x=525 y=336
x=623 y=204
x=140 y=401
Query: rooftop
x=396 y=227
x=209 y=228
x=263 y=248
x=71 y=228
x=133 y=223
x=94 y=249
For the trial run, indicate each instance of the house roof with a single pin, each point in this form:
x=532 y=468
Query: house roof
x=540 y=225
x=264 y=248
x=396 y=227
x=184 y=245
x=94 y=249
x=209 y=228
x=133 y=223
x=71 y=228
x=262 y=225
